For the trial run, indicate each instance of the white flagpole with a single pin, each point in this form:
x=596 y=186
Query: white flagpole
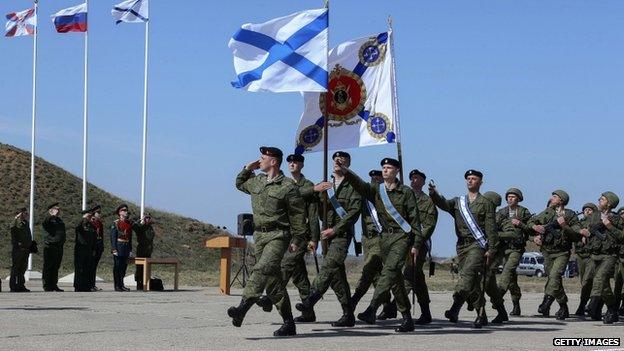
x=32 y=135
x=144 y=120
x=85 y=113
x=395 y=104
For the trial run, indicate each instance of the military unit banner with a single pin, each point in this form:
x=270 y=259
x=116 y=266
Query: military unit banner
x=359 y=102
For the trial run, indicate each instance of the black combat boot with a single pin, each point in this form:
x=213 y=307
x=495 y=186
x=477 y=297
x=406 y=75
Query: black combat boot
x=595 y=308
x=425 y=314
x=389 y=311
x=237 y=313
x=265 y=302
x=580 y=311
x=453 y=313
x=544 y=308
x=515 y=311
x=307 y=316
x=355 y=299
x=612 y=315
x=368 y=315
x=288 y=328
x=347 y=319
x=469 y=306
x=621 y=311
x=502 y=314
x=139 y=286
x=309 y=303
x=481 y=320
x=407 y=325
x=563 y=312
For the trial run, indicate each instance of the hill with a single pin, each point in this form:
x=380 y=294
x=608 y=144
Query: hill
x=176 y=236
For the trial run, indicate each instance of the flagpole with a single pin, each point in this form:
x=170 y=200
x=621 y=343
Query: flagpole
x=396 y=100
x=32 y=134
x=326 y=142
x=85 y=126
x=144 y=120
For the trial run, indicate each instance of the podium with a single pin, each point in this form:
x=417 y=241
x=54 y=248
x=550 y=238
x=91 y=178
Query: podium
x=226 y=243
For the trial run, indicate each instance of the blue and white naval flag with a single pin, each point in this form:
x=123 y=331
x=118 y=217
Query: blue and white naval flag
x=359 y=101
x=285 y=54
x=131 y=11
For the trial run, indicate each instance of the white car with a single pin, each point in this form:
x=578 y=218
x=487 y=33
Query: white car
x=531 y=264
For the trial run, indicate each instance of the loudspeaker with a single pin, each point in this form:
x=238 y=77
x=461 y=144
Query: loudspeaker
x=245 y=224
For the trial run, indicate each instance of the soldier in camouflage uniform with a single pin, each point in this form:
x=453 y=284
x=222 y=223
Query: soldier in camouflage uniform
x=401 y=232
x=293 y=263
x=472 y=252
x=21 y=241
x=371 y=229
x=343 y=211
x=555 y=229
x=279 y=218
x=583 y=257
x=513 y=246
x=619 y=273
x=604 y=230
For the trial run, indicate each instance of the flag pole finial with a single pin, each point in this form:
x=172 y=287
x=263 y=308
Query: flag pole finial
x=390 y=22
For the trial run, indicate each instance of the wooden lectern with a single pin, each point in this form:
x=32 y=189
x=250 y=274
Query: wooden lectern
x=226 y=243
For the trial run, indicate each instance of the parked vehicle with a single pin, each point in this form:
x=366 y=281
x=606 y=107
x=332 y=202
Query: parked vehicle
x=531 y=264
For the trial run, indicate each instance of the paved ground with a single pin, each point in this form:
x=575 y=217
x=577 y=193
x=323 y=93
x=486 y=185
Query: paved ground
x=195 y=319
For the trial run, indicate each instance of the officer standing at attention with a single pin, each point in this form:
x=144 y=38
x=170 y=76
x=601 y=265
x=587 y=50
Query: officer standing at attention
x=54 y=235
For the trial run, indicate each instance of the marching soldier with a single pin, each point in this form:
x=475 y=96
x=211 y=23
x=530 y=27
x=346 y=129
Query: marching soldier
x=619 y=273
x=84 y=251
x=401 y=229
x=475 y=222
x=53 y=241
x=145 y=245
x=98 y=225
x=344 y=211
x=373 y=261
x=582 y=252
x=279 y=219
x=121 y=246
x=21 y=243
x=604 y=230
x=513 y=246
x=555 y=230
x=293 y=264
x=414 y=278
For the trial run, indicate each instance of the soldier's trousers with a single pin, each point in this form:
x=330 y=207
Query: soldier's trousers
x=294 y=266
x=491 y=287
x=99 y=249
x=508 y=279
x=270 y=248
x=120 y=265
x=585 y=274
x=619 y=281
x=555 y=267
x=18 y=268
x=333 y=272
x=83 y=258
x=394 y=249
x=373 y=263
x=52 y=258
x=471 y=262
x=604 y=268
x=414 y=273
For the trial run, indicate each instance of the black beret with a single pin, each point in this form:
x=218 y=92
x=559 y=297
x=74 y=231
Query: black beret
x=416 y=172
x=120 y=207
x=374 y=173
x=88 y=210
x=271 y=151
x=295 y=158
x=391 y=162
x=20 y=210
x=53 y=205
x=96 y=208
x=473 y=173
x=341 y=154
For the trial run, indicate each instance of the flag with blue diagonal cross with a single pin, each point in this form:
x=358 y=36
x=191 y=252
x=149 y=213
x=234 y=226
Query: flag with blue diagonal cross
x=360 y=99
x=286 y=54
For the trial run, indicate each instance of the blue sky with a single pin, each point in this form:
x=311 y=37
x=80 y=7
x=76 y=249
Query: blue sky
x=528 y=92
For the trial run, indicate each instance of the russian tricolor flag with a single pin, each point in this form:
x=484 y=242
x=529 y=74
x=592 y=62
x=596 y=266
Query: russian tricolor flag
x=73 y=19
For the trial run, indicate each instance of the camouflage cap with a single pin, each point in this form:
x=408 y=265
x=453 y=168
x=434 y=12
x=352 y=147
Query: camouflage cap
x=562 y=195
x=613 y=199
x=515 y=191
x=590 y=205
x=493 y=197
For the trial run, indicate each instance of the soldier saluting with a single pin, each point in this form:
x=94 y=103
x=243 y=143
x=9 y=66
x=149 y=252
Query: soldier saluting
x=53 y=241
x=279 y=219
x=21 y=242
